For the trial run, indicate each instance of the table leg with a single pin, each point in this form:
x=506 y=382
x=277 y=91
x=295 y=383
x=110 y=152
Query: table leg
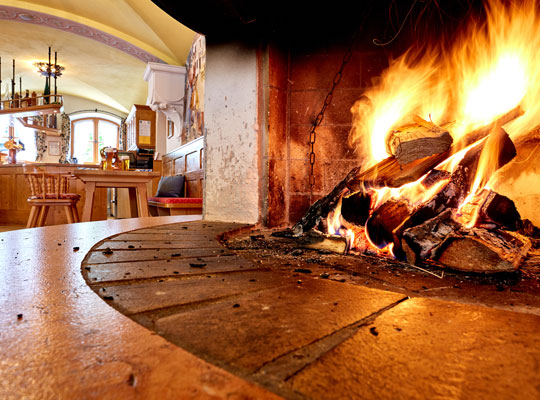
x=88 y=201
x=133 y=206
x=143 y=201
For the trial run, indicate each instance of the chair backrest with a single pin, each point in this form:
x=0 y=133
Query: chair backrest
x=45 y=184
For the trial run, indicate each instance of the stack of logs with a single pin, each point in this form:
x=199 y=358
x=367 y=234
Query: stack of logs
x=496 y=240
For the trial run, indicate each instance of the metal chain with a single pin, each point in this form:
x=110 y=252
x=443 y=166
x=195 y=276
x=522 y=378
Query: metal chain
x=320 y=115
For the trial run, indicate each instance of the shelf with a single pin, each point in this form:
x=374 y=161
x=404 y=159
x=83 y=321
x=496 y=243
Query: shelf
x=49 y=131
x=34 y=111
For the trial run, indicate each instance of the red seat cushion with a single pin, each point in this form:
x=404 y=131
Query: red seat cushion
x=176 y=200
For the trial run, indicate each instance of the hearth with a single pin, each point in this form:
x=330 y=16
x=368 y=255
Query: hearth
x=440 y=139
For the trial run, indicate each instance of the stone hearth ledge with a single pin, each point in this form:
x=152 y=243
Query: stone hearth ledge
x=58 y=339
x=324 y=339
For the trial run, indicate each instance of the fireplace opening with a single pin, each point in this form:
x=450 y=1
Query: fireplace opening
x=430 y=160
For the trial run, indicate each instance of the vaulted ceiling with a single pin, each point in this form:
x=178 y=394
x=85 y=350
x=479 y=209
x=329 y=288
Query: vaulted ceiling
x=104 y=46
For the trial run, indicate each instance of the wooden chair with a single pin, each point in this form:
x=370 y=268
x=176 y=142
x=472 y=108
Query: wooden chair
x=49 y=189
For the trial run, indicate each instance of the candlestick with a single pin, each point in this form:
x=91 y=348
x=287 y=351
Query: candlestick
x=55 y=64
x=13 y=82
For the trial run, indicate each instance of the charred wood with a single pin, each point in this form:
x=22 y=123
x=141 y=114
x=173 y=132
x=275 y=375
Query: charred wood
x=527 y=228
x=419 y=241
x=383 y=221
x=489 y=207
x=390 y=173
x=356 y=208
x=322 y=207
x=483 y=251
x=435 y=176
x=456 y=190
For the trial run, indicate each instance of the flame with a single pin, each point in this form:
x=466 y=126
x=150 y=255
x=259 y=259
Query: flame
x=489 y=69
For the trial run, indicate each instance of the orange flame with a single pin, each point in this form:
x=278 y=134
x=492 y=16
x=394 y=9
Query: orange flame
x=490 y=68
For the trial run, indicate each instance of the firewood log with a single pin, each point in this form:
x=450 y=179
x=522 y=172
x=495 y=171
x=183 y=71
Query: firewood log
x=322 y=207
x=456 y=190
x=356 y=208
x=419 y=241
x=483 y=251
x=489 y=207
x=384 y=220
x=388 y=173
x=415 y=141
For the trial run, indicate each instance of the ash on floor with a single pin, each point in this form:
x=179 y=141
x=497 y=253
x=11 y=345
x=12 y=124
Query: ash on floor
x=518 y=291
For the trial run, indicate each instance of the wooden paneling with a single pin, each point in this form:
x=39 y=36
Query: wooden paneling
x=14 y=191
x=193 y=161
x=168 y=167
x=187 y=160
x=179 y=165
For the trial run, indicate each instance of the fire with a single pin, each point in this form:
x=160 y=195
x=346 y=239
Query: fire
x=490 y=68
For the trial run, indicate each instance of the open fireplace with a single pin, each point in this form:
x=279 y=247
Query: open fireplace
x=431 y=159
x=410 y=130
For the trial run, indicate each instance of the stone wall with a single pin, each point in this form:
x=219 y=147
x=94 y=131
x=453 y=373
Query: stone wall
x=298 y=84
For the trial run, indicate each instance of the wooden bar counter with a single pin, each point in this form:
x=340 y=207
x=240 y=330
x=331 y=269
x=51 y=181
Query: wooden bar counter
x=14 y=191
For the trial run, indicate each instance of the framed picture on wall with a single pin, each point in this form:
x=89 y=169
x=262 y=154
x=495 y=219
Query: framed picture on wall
x=54 y=148
x=170 y=128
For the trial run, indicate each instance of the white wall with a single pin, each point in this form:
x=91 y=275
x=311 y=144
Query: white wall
x=74 y=103
x=161 y=134
x=231 y=191
x=175 y=141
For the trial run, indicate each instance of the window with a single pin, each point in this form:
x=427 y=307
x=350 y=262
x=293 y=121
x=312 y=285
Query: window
x=26 y=136
x=89 y=134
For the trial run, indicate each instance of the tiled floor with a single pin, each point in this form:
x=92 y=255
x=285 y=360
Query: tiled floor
x=301 y=335
x=59 y=340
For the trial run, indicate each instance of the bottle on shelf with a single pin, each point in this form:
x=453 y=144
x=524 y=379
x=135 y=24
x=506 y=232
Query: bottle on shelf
x=16 y=101
x=25 y=102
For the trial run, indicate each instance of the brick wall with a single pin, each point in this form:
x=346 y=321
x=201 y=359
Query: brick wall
x=298 y=82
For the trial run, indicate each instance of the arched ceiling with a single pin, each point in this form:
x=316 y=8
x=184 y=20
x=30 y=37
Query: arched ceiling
x=103 y=44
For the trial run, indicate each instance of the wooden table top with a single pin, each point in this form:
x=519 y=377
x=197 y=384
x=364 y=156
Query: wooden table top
x=83 y=172
x=58 y=339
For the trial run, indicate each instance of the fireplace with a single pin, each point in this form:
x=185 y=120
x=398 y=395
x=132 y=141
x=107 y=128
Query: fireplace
x=481 y=84
x=301 y=76
x=269 y=72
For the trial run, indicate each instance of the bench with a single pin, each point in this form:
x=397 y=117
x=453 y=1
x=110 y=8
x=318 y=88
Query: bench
x=187 y=160
x=160 y=206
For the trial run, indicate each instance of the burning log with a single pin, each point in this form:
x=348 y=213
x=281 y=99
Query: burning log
x=390 y=173
x=491 y=208
x=419 y=241
x=322 y=207
x=356 y=208
x=457 y=189
x=383 y=221
x=434 y=176
x=415 y=141
x=483 y=251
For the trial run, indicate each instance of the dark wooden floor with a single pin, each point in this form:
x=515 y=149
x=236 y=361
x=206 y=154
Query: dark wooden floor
x=284 y=325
